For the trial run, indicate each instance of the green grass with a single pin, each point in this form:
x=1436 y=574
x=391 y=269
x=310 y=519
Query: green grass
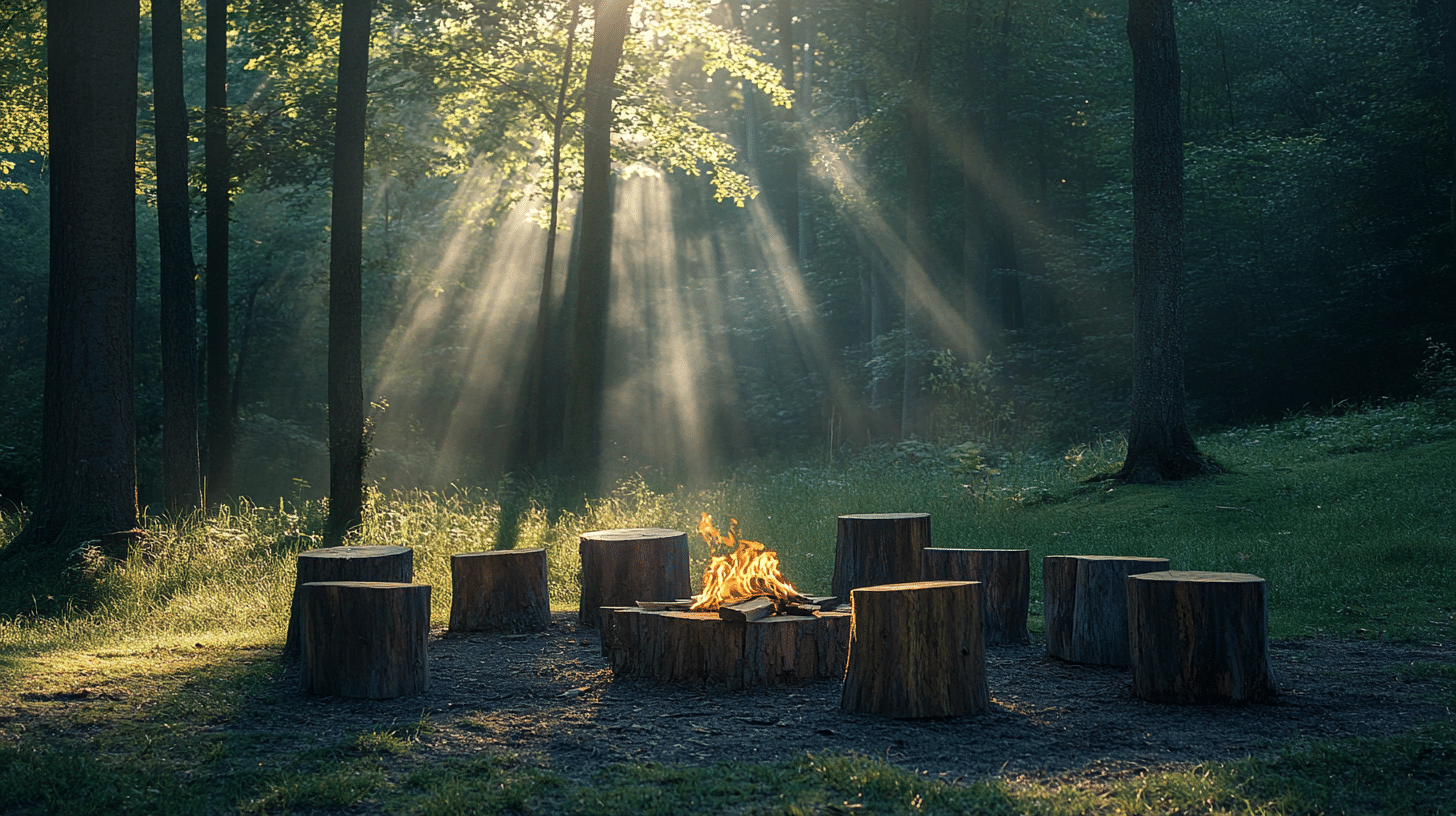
x=1347 y=517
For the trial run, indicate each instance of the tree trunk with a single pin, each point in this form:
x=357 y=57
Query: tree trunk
x=219 y=484
x=622 y=567
x=788 y=181
x=379 y=563
x=1084 y=602
x=1005 y=577
x=365 y=639
x=587 y=378
x=919 y=280
x=181 y=466
x=878 y=548
x=1159 y=445
x=88 y=435
x=916 y=651
x=501 y=590
x=1199 y=637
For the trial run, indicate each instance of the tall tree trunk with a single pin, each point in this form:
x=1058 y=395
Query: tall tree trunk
x=973 y=192
x=587 y=378
x=918 y=280
x=88 y=436
x=219 y=180
x=347 y=446
x=789 y=181
x=1002 y=239
x=181 y=468
x=1159 y=445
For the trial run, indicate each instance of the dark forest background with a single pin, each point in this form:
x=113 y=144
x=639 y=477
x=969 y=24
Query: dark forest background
x=1319 y=166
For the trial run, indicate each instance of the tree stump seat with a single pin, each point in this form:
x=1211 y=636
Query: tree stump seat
x=1199 y=637
x=916 y=650
x=878 y=548
x=364 y=639
x=499 y=590
x=622 y=567
x=1084 y=600
x=388 y=564
x=1005 y=578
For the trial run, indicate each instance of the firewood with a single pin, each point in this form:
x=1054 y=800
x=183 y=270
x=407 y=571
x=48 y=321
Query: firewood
x=1199 y=637
x=804 y=609
x=680 y=605
x=1085 y=605
x=620 y=566
x=750 y=610
x=878 y=548
x=826 y=603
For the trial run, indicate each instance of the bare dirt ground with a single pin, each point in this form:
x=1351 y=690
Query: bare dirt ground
x=550 y=697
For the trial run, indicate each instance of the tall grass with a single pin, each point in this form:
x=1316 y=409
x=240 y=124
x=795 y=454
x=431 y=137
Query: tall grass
x=1347 y=517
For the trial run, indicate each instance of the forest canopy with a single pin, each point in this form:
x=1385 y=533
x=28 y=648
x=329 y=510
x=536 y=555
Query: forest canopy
x=768 y=190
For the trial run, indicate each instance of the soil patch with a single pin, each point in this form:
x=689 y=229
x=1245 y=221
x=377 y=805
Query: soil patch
x=550 y=696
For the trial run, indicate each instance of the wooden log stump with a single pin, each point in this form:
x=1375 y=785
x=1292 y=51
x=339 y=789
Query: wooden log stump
x=500 y=590
x=375 y=563
x=878 y=548
x=916 y=651
x=622 y=567
x=364 y=639
x=703 y=648
x=1199 y=637
x=1084 y=600
x=1005 y=577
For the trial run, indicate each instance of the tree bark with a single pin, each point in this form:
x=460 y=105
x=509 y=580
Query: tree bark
x=501 y=590
x=1159 y=444
x=918 y=277
x=916 y=651
x=1199 y=637
x=878 y=548
x=1084 y=602
x=622 y=567
x=88 y=435
x=1005 y=577
x=587 y=377
x=378 y=563
x=365 y=639
x=181 y=465
x=348 y=448
x=216 y=155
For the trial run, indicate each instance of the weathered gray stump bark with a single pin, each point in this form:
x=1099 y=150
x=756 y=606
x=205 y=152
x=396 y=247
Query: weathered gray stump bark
x=916 y=650
x=1084 y=600
x=1005 y=577
x=376 y=563
x=500 y=590
x=703 y=648
x=622 y=567
x=878 y=548
x=1199 y=637
x=364 y=639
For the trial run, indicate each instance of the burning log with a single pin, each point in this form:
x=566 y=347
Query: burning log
x=376 y=563
x=878 y=548
x=1085 y=603
x=916 y=651
x=499 y=590
x=620 y=566
x=1199 y=637
x=364 y=639
x=1005 y=577
x=746 y=611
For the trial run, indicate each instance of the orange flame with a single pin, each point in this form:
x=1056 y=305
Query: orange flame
x=746 y=570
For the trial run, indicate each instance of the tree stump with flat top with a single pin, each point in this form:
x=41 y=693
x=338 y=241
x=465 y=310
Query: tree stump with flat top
x=1084 y=599
x=622 y=567
x=364 y=639
x=1005 y=577
x=1199 y=637
x=878 y=548
x=375 y=563
x=499 y=591
x=916 y=650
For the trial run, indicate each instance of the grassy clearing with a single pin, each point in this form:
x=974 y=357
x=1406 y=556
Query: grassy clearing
x=1348 y=518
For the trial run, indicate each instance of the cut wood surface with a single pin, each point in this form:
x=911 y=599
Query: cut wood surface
x=1084 y=601
x=499 y=591
x=917 y=651
x=1005 y=577
x=374 y=563
x=705 y=649
x=878 y=548
x=750 y=610
x=622 y=567
x=364 y=639
x=1199 y=637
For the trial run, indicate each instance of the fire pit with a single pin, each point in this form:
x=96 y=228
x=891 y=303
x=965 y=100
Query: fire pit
x=748 y=626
